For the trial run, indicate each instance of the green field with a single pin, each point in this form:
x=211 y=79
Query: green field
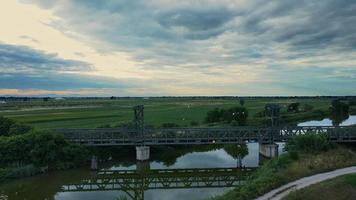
x=341 y=188
x=91 y=113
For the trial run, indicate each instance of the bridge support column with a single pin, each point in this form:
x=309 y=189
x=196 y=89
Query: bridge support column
x=268 y=150
x=142 y=153
x=94 y=163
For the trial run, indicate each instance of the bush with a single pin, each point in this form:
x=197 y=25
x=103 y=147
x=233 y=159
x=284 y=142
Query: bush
x=40 y=149
x=307 y=108
x=214 y=116
x=293 y=107
x=194 y=123
x=309 y=142
x=169 y=125
x=9 y=127
x=352 y=102
x=237 y=114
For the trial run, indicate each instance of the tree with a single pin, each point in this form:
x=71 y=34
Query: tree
x=9 y=127
x=238 y=114
x=339 y=112
x=338 y=107
x=293 y=107
x=242 y=102
x=214 y=116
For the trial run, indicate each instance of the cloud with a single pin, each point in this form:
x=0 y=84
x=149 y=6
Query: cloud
x=14 y=58
x=221 y=46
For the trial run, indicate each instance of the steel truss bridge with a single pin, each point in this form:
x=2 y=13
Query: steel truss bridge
x=191 y=136
x=135 y=182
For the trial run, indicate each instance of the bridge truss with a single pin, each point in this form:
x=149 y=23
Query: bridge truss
x=191 y=136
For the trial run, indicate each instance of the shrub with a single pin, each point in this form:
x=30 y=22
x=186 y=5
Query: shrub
x=309 y=142
x=214 y=116
x=9 y=127
x=169 y=125
x=40 y=149
x=194 y=123
x=293 y=107
x=237 y=114
x=352 y=102
x=307 y=107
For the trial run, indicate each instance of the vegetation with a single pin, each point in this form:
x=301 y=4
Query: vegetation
x=341 y=188
x=235 y=114
x=9 y=127
x=293 y=107
x=24 y=153
x=302 y=161
x=308 y=143
x=92 y=113
x=339 y=108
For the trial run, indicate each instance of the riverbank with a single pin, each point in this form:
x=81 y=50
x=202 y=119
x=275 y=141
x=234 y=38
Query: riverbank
x=296 y=186
x=289 y=167
x=341 y=188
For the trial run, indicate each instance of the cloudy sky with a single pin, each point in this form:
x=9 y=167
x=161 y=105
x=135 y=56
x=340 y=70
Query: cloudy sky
x=175 y=47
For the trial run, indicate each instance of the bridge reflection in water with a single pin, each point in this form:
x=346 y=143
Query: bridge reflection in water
x=135 y=182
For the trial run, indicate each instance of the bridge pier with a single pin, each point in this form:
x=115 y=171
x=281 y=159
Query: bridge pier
x=142 y=153
x=94 y=163
x=268 y=150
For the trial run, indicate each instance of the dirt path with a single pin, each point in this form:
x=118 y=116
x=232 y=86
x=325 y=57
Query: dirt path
x=284 y=190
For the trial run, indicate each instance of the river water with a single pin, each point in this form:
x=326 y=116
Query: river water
x=73 y=184
x=50 y=186
x=351 y=120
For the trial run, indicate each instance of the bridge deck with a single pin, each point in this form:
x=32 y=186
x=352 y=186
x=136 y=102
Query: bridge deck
x=189 y=136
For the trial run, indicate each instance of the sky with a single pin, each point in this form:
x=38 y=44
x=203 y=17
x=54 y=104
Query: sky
x=179 y=48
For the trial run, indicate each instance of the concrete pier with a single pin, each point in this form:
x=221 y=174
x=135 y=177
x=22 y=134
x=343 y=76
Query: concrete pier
x=268 y=150
x=142 y=153
x=94 y=163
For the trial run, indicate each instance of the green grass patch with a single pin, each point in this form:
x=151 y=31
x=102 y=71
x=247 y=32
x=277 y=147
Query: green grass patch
x=340 y=188
x=72 y=113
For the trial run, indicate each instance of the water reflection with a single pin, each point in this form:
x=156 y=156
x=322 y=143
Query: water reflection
x=134 y=183
x=197 y=172
x=341 y=121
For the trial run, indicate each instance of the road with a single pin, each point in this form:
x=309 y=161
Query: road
x=284 y=190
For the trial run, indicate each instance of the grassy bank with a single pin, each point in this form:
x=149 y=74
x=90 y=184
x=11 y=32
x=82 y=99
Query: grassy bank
x=289 y=167
x=341 y=188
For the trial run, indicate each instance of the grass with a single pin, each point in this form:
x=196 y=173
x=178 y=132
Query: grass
x=341 y=188
x=73 y=113
x=285 y=168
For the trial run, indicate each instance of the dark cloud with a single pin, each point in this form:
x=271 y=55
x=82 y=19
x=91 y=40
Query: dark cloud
x=196 y=20
x=13 y=57
x=54 y=81
x=24 y=68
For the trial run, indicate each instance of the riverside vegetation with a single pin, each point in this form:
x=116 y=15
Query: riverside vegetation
x=25 y=151
x=307 y=155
